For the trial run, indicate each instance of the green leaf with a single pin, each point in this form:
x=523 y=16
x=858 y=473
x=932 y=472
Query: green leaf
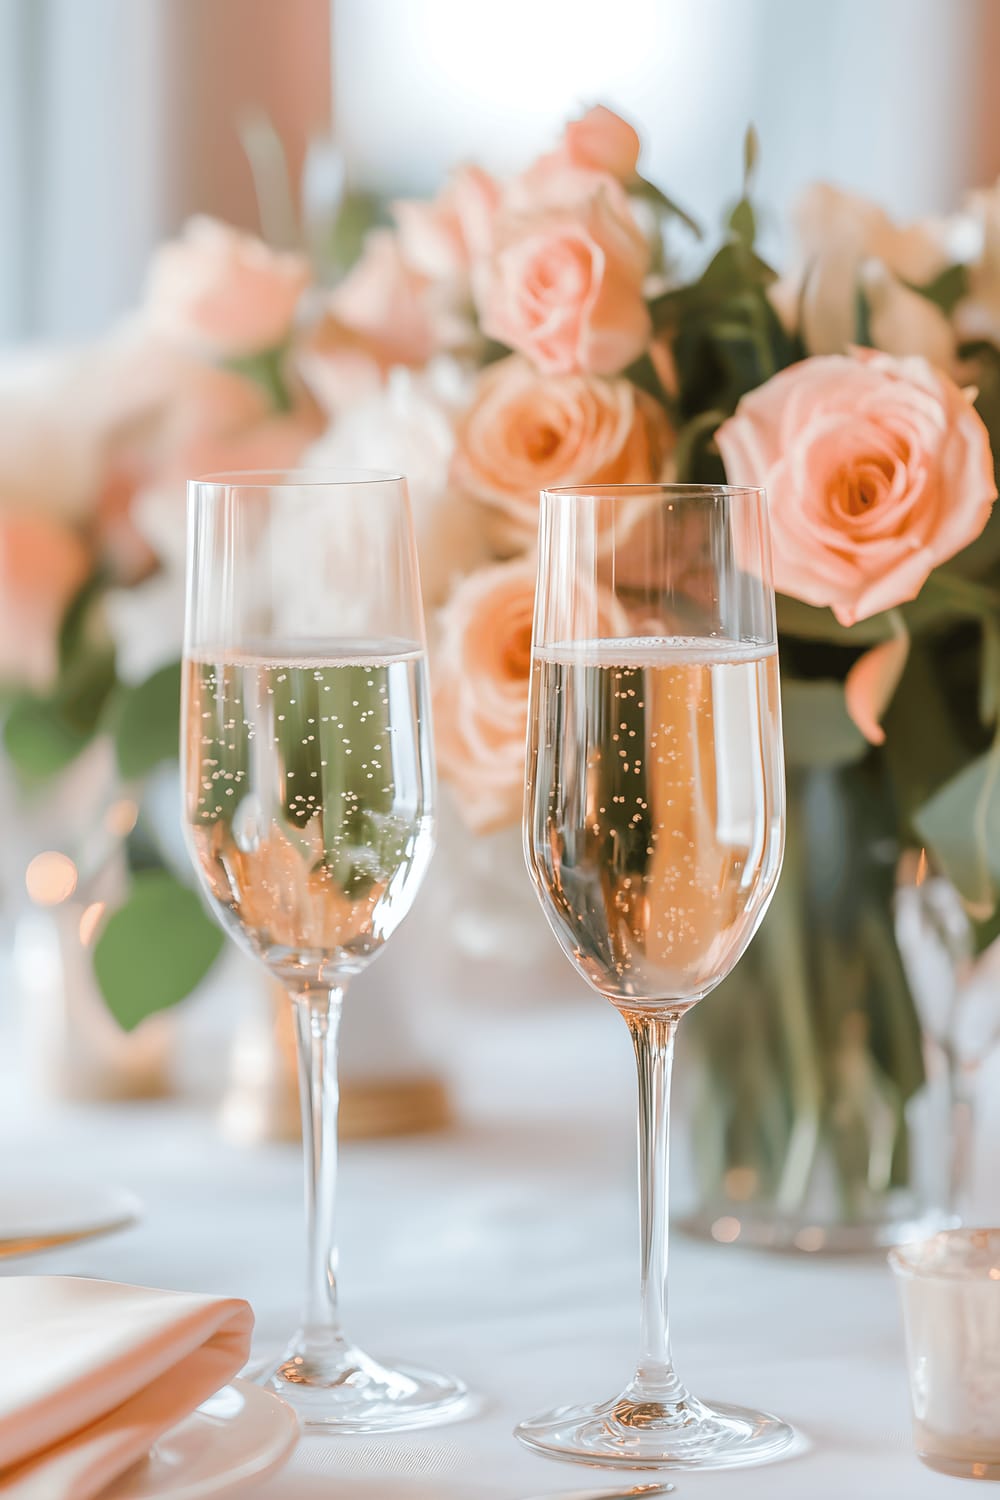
x=924 y=745
x=359 y=214
x=743 y=223
x=691 y=439
x=946 y=289
x=862 y=319
x=667 y=205
x=38 y=739
x=989 y=676
x=155 y=949
x=961 y=823
x=818 y=730
x=808 y=623
x=751 y=153
x=265 y=368
x=148 y=722
x=43 y=733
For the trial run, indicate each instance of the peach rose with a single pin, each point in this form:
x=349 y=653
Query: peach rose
x=525 y=432
x=877 y=470
x=222 y=290
x=482 y=669
x=565 y=286
x=42 y=565
x=385 y=301
x=841 y=241
x=481 y=677
x=443 y=237
x=604 y=142
x=599 y=149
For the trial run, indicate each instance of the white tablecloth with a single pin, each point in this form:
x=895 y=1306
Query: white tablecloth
x=504 y=1250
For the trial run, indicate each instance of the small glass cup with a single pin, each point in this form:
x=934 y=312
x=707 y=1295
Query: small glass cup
x=950 y=1290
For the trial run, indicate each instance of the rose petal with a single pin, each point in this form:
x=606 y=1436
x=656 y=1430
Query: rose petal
x=871 y=683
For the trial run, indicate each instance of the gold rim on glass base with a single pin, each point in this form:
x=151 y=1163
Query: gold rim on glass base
x=629 y=1434
x=340 y=1386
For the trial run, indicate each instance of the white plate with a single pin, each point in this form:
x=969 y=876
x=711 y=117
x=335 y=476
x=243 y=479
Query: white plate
x=40 y=1214
x=242 y=1433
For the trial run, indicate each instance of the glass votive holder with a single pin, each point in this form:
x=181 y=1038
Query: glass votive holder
x=950 y=1290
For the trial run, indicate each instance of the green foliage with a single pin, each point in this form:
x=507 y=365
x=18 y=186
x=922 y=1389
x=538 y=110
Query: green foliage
x=147 y=729
x=265 y=368
x=155 y=949
x=961 y=823
x=818 y=730
x=725 y=335
x=751 y=153
x=862 y=319
x=946 y=289
x=667 y=206
x=358 y=215
x=44 y=732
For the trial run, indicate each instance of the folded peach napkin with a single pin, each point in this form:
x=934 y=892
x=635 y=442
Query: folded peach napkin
x=92 y=1373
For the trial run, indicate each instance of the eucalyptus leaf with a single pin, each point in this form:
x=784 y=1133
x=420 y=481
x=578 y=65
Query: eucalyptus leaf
x=155 y=949
x=743 y=222
x=961 y=823
x=818 y=730
x=148 y=723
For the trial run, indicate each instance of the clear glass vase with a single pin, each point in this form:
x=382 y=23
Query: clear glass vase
x=825 y=1106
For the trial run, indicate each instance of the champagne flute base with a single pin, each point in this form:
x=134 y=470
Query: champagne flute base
x=344 y=1389
x=627 y=1434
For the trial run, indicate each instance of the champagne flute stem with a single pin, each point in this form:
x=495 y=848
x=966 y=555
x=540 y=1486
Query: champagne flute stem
x=317 y=1018
x=653 y=1039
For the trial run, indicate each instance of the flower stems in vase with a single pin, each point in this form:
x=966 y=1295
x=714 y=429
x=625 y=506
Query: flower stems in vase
x=813 y=1051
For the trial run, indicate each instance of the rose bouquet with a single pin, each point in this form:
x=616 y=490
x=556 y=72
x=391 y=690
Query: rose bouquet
x=548 y=329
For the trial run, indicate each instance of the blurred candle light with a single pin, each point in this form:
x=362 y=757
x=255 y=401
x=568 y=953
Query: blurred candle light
x=726 y=1230
x=121 y=817
x=90 y=920
x=50 y=878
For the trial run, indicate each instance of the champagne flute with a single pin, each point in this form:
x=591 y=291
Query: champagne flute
x=309 y=814
x=654 y=822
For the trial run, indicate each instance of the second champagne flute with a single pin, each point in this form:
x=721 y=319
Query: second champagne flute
x=309 y=811
x=654 y=823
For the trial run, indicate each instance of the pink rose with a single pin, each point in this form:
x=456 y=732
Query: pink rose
x=385 y=302
x=525 y=432
x=481 y=675
x=601 y=149
x=224 y=291
x=565 y=286
x=445 y=236
x=871 y=682
x=603 y=142
x=481 y=691
x=42 y=565
x=877 y=470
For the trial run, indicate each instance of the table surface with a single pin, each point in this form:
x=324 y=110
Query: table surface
x=504 y=1250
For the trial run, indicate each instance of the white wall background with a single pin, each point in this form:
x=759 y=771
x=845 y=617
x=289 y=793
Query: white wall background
x=875 y=93
x=115 y=114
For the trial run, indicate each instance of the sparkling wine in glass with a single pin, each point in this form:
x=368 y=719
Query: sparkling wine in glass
x=309 y=813
x=654 y=825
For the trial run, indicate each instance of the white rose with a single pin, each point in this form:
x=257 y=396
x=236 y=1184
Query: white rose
x=409 y=425
x=978 y=315
x=838 y=236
